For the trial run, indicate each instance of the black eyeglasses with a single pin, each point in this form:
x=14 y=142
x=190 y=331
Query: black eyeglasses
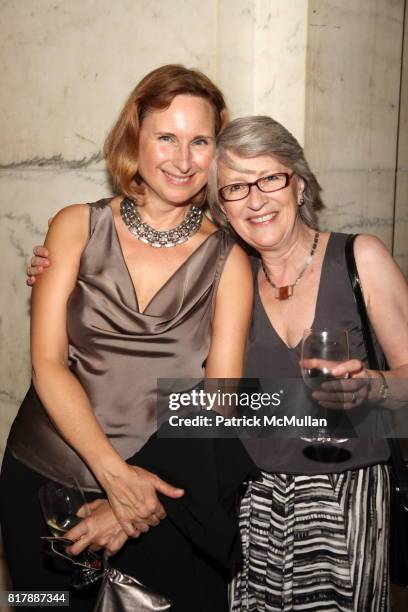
x=267 y=184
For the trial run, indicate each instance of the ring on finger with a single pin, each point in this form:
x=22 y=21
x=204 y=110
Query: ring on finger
x=353 y=397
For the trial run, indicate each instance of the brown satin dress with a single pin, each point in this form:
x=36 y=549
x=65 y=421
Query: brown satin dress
x=118 y=353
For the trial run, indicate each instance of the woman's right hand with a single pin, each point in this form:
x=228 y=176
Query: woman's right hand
x=132 y=494
x=99 y=529
x=37 y=264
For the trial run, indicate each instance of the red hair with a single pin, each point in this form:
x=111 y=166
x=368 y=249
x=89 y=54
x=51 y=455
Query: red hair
x=155 y=91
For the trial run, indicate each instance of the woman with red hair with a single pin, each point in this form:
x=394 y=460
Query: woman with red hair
x=142 y=285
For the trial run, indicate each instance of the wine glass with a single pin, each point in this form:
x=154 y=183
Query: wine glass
x=61 y=505
x=329 y=347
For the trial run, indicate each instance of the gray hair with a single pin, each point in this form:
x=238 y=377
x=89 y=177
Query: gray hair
x=261 y=135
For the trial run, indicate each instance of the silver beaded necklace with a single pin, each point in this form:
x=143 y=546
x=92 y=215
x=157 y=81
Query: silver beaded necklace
x=160 y=238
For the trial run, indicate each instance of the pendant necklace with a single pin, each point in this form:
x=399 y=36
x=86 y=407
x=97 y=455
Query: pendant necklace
x=285 y=292
x=160 y=238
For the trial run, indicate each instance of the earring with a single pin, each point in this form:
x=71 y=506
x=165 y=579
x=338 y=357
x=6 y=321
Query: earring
x=301 y=200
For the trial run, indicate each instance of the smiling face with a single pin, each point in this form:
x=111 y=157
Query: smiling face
x=263 y=220
x=176 y=147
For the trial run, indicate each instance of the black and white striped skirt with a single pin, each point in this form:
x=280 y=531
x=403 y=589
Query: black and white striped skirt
x=315 y=543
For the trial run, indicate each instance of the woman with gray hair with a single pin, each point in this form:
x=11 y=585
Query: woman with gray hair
x=314 y=533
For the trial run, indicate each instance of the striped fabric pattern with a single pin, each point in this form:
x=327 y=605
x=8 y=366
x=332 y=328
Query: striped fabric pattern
x=316 y=543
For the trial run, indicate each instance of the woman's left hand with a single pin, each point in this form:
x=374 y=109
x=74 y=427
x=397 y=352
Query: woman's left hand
x=351 y=388
x=99 y=530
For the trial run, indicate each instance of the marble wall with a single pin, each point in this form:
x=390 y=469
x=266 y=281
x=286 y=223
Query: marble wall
x=330 y=69
x=353 y=115
x=261 y=59
x=400 y=238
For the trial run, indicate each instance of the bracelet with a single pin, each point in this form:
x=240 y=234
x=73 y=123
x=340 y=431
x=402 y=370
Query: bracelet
x=384 y=386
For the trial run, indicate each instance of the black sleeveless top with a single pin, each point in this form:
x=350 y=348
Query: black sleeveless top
x=268 y=357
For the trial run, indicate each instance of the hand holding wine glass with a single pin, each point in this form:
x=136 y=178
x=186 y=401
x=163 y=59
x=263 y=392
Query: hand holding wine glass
x=64 y=507
x=99 y=530
x=322 y=351
x=60 y=505
x=351 y=386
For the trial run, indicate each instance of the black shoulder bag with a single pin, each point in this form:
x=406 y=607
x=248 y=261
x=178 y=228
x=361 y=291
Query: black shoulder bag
x=399 y=487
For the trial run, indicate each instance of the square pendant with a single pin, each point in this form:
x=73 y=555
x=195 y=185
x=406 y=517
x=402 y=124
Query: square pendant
x=283 y=293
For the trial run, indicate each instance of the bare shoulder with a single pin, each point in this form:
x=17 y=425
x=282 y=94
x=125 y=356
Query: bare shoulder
x=373 y=257
x=71 y=222
x=368 y=248
x=377 y=268
x=235 y=290
x=66 y=239
x=237 y=270
x=239 y=258
x=73 y=213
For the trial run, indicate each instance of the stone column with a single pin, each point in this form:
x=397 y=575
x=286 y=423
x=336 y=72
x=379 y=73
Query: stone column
x=261 y=58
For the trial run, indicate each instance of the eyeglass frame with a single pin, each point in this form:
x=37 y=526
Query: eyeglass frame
x=253 y=183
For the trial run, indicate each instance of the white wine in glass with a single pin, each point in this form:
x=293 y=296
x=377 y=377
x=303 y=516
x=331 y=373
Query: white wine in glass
x=60 y=505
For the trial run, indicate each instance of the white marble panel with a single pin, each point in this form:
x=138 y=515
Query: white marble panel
x=280 y=62
x=29 y=198
x=353 y=82
x=401 y=220
x=401 y=192
x=235 y=54
x=358 y=201
x=352 y=99
x=261 y=58
x=68 y=66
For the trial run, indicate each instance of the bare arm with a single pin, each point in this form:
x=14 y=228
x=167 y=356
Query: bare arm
x=232 y=314
x=233 y=307
x=386 y=296
x=58 y=389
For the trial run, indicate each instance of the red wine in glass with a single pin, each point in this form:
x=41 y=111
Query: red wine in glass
x=327 y=348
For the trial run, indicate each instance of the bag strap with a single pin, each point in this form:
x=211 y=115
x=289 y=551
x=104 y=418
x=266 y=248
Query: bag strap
x=400 y=469
x=358 y=296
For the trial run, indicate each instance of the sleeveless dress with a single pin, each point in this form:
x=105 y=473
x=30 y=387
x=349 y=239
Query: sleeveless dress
x=314 y=535
x=118 y=352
